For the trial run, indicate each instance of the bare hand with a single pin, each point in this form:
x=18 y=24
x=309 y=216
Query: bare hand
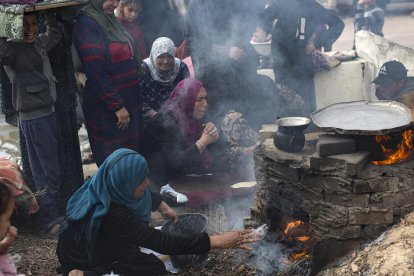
x=235 y=239
x=249 y=150
x=237 y=54
x=167 y=212
x=10 y=237
x=210 y=135
x=310 y=48
x=123 y=118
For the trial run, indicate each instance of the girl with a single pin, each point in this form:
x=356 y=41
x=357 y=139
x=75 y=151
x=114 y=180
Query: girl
x=127 y=14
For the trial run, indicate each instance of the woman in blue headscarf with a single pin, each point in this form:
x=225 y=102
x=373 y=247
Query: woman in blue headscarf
x=108 y=222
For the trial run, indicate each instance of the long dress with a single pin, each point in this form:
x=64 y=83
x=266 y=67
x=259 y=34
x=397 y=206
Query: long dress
x=112 y=83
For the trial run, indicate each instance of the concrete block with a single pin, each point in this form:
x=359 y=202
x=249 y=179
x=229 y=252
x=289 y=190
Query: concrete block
x=355 y=162
x=404 y=199
x=382 y=200
x=381 y=184
x=370 y=216
x=333 y=145
x=267 y=131
x=283 y=171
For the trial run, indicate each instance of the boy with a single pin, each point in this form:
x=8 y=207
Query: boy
x=33 y=95
x=369 y=17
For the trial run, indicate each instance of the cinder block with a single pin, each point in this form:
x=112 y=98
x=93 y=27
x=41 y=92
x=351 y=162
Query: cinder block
x=355 y=162
x=284 y=171
x=380 y=184
x=333 y=145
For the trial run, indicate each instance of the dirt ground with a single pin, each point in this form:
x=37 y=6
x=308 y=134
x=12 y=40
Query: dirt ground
x=37 y=257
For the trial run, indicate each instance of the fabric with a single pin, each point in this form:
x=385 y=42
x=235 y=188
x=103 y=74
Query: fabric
x=7 y=267
x=45 y=164
x=370 y=19
x=163 y=45
x=154 y=93
x=136 y=31
x=11 y=21
x=117 y=246
x=115 y=181
x=112 y=83
x=35 y=93
x=112 y=29
x=297 y=22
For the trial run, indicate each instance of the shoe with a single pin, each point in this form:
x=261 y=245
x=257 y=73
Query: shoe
x=176 y=196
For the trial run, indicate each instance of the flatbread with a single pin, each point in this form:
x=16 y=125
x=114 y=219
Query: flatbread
x=244 y=185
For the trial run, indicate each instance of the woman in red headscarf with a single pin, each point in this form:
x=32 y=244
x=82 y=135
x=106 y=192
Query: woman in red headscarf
x=176 y=142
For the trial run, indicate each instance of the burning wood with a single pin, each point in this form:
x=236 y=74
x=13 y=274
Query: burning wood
x=403 y=150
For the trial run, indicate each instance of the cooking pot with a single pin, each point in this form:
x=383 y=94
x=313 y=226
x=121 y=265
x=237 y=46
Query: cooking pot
x=289 y=135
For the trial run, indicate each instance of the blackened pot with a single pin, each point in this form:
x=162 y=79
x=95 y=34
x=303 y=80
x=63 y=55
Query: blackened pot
x=289 y=137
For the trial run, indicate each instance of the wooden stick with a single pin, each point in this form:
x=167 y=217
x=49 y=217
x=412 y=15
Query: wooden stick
x=40 y=7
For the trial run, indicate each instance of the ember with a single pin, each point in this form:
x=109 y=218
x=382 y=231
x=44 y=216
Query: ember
x=403 y=151
x=300 y=235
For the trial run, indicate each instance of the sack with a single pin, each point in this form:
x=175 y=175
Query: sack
x=322 y=61
x=290 y=101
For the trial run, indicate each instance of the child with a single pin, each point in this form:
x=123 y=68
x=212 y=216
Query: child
x=34 y=94
x=369 y=17
x=7 y=231
x=128 y=15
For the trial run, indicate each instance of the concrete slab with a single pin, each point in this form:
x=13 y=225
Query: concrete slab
x=333 y=145
x=355 y=162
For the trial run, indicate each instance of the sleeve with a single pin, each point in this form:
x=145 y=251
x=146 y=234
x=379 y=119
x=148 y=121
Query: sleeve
x=184 y=72
x=268 y=16
x=375 y=22
x=90 y=45
x=6 y=53
x=144 y=88
x=156 y=201
x=121 y=221
x=183 y=159
x=335 y=25
x=53 y=33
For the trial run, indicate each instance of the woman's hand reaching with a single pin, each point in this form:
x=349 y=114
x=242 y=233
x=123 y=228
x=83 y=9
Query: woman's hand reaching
x=167 y=212
x=235 y=239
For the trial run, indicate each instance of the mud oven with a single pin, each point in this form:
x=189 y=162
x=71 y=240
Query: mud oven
x=332 y=185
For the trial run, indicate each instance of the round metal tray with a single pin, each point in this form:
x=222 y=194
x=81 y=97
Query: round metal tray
x=364 y=117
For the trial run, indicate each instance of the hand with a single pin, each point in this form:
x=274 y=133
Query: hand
x=211 y=129
x=310 y=48
x=123 y=118
x=237 y=54
x=168 y=212
x=249 y=150
x=235 y=239
x=8 y=239
x=260 y=35
x=33 y=207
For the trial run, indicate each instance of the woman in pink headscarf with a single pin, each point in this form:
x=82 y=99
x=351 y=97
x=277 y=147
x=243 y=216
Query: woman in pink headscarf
x=176 y=142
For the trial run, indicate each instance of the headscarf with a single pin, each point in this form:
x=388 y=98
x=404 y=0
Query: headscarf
x=163 y=45
x=115 y=181
x=181 y=104
x=110 y=25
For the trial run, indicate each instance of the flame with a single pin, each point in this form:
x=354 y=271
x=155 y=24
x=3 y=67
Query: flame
x=402 y=152
x=290 y=233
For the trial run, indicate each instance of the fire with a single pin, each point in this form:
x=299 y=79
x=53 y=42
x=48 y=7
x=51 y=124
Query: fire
x=402 y=152
x=300 y=232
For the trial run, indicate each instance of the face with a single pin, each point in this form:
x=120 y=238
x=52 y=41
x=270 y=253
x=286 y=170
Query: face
x=140 y=190
x=30 y=28
x=131 y=12
x=164 y=62
x=390 y=90
x=201 y=104
x=5 y=218
x=109 y=6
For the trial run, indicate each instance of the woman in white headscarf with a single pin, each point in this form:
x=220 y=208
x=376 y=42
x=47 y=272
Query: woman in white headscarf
x=161 y=73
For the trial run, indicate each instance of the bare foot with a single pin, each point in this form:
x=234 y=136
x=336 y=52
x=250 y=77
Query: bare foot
x=76 y=272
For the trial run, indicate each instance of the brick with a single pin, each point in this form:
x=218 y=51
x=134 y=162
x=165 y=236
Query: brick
x=350 y=200
x=345 y=232
x=381 y=184
x=404 y=199
x=382 y=200
x=370 y=216
x=333 y=145
x=326 y=164
x=284 y=171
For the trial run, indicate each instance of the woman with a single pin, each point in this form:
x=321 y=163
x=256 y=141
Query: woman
x=110 y=61
x=177 y=142
x=108 y=222
x=161 y=73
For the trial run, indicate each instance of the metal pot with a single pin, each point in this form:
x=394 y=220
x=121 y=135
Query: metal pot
x=289 y=136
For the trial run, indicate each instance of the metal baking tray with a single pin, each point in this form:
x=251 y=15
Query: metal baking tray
x=363 y=117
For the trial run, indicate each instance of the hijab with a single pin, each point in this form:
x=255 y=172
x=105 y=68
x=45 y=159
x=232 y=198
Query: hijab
x=115 y=181
x=110 y=25
x=181 y=104
x=163 y=45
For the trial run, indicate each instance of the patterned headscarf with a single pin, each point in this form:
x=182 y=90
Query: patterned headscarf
x=110 y=25
x=163 y=45
x=115 y=181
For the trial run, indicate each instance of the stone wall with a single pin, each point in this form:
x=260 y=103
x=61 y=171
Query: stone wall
x=347 y=200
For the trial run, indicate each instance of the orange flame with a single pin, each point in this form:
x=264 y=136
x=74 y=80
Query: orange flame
x=402 y=152
x=292 y=224
x=289 y=227
x=298 y=256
